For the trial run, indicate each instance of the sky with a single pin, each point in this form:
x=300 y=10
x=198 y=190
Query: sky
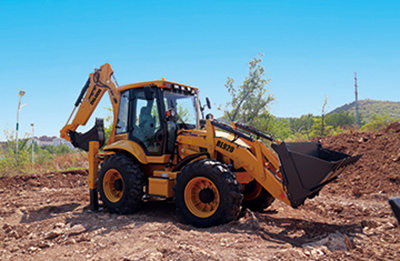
x=311 y=51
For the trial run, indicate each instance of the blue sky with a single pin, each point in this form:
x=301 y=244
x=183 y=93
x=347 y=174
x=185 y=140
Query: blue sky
x=311 y=49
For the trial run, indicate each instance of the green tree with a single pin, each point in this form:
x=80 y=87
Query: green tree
x=8 y=156
x=377 y=123
x=250 y=100
x=278 y=128
x=341 y=118
x=108 y=122
x=302 y=126
x=320 y=128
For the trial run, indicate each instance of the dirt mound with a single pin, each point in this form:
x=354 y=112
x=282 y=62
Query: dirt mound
x=45 y=217
x=378 y=170
x=393 y=127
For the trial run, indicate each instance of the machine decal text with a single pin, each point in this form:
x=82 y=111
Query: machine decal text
x=225 y=146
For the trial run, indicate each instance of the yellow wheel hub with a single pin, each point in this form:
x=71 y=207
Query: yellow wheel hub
x=201 y=197
x=113 y=185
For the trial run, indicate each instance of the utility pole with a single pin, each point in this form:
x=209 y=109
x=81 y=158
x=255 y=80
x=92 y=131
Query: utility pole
x=357 y=118
x=21 y=93
x=33 y=145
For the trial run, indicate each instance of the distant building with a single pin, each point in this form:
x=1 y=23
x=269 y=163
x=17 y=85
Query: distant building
x=35 y=140
x=60 y=141
x=55 y=142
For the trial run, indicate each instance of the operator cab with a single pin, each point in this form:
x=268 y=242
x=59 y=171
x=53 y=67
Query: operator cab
x=151 y=115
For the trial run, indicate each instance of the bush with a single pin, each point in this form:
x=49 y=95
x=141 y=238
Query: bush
x=377 y=123
x=46 y=158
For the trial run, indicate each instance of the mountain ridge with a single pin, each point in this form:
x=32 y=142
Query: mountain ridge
x=367 y=108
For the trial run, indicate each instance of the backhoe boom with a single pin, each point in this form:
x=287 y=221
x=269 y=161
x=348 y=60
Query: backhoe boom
x=92 y=92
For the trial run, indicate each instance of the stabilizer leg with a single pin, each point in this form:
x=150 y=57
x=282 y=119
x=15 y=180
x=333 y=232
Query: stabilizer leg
x=93 y=176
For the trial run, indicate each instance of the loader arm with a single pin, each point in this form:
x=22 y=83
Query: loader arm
x=297 y=172
x=98 y=83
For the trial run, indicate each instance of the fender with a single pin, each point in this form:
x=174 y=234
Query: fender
x=129 y=146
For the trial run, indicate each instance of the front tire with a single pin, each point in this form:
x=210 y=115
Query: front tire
x=207 y=194
x=121 y=184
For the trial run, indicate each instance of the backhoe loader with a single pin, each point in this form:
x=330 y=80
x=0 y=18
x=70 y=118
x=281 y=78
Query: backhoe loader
x=161 y=145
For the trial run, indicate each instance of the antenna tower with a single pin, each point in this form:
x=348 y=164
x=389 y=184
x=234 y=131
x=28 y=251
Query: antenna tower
x=357 y=118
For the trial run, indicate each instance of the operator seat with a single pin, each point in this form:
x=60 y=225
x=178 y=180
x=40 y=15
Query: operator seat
x=146 y=121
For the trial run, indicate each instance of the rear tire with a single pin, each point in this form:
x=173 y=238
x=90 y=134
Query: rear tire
x=121 y=184
x=256 y=198
x=207 y=194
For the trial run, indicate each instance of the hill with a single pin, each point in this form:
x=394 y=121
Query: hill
x=367 y=108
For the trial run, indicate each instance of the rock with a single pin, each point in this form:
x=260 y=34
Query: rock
x=59 y=224
x=14 y=249
x=349 y=244
x=369 y=224
x=44 y=244
x=389 y=226
x=338 y=209
x=32 y=248
x=19 y=212
x=357 y=192
x=14 y=234
x=396 y=158
x=122 y=217
x=32 y=236
x=333 y=242
x=75 y=230
x=54 y=233
x=5 y=226
x=84 y=237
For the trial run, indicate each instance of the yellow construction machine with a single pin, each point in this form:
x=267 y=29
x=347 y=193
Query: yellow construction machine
x=161 y=145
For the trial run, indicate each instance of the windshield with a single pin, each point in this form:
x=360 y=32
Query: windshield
x=184 y=105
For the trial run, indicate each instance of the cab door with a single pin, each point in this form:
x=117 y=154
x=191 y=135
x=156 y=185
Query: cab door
x=146 y=125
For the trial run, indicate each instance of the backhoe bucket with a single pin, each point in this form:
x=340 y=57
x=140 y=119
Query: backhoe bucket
x=395 y=204
x=306 y=167
x=81 y=140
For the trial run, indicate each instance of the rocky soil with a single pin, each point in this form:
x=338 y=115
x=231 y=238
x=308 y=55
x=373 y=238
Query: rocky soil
x=45 y=217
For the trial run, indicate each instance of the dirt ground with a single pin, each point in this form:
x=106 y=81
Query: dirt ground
x=45 y=217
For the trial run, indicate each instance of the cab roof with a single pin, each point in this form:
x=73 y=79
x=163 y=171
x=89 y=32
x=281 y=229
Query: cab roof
x=160 y=84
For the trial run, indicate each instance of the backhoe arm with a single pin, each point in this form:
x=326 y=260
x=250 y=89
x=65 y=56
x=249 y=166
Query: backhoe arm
x=98 y=83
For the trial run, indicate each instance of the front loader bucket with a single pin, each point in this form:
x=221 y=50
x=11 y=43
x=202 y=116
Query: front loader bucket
x=306 y=167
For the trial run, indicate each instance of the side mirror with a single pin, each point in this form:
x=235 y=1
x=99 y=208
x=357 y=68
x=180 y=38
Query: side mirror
x=208 y=103
x=148 y=93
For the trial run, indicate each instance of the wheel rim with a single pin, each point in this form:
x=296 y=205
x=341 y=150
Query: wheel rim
x=113 y=185
x=254 y=193
x=201 y=197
